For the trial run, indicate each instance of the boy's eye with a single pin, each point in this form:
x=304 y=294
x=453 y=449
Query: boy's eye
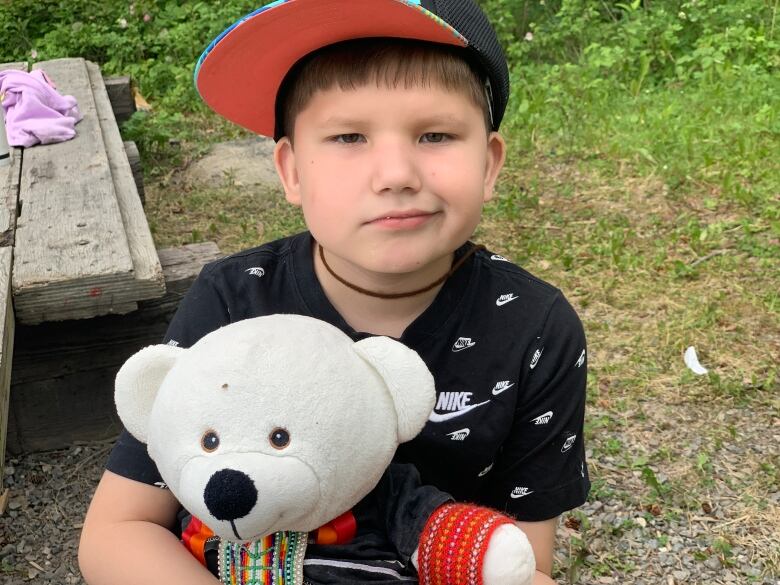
x=434 y=137
x=348 y=138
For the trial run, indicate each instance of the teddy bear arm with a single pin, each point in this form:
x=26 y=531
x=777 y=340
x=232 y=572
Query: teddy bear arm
x=475 y=538
x=509 y=559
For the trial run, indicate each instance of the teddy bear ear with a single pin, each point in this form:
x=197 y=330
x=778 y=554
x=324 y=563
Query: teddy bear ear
x=408 y=379
x=137 y=383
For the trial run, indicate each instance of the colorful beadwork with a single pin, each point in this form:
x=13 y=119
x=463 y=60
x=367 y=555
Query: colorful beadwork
x=276 y=559
x=453 y=544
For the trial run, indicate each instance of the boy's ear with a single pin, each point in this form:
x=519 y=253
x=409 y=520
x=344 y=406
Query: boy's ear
x=284 y=161
x=496 y=155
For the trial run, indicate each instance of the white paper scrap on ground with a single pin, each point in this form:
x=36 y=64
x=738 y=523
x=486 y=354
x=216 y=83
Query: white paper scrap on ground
x=692 y=361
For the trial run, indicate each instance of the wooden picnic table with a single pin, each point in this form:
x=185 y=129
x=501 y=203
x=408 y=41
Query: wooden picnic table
x=74 y=240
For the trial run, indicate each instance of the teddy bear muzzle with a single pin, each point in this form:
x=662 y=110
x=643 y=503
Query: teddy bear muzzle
x=229 y=495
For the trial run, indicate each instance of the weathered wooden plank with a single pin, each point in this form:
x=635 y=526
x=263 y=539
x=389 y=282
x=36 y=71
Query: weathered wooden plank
x=146 y=265
x=9 y=196
x=64 y=371
x=73 y=260
x=182 y=261
x=120 y=93
x=9 y=193
x=70 y=229
x=6 y=345
x=134 y=157
x=9 y=182
x=18 y=65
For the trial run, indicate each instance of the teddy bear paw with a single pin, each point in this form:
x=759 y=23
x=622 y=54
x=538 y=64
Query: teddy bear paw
x=509 y=559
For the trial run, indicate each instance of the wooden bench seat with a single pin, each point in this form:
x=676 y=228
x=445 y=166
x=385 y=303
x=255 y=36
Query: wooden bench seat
x=82 y=246
x=75 y=249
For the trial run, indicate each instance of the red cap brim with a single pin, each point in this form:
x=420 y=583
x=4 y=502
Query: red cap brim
x=240 y=75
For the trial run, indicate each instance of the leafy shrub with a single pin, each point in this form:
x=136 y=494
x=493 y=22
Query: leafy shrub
x=157 y=42
x=660 y=39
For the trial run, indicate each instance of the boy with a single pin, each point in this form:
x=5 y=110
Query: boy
x=385 y=114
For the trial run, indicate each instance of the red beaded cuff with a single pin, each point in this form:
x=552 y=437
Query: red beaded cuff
x=453 y=544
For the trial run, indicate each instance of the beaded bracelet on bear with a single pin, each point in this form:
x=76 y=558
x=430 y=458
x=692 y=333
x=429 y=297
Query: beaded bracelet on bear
x=454 y=542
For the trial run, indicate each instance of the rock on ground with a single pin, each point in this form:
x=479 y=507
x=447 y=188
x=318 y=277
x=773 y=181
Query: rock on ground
x=239 y=162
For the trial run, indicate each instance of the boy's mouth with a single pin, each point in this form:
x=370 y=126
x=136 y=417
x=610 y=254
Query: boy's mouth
x=408 y=219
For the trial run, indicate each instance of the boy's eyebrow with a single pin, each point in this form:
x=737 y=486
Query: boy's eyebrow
x=440 y=119
x=427 y=120
x=341 y=121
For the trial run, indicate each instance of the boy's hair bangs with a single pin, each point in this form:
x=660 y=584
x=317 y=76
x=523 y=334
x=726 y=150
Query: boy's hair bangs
x=389 y=63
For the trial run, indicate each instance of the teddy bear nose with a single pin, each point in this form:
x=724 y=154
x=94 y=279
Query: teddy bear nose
x=230 y=494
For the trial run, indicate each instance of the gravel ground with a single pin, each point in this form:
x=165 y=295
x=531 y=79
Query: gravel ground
x=612 y=539
x=39 y=531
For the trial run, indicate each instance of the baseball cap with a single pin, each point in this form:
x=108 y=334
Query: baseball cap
x=240 y=73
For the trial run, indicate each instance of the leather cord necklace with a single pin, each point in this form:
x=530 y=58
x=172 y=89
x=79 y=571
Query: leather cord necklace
x=475 y=248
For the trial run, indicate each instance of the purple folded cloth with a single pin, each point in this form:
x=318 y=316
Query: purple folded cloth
x=35 y=111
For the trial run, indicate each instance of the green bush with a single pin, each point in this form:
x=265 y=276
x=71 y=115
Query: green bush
x=635 y=41
x=156 y=42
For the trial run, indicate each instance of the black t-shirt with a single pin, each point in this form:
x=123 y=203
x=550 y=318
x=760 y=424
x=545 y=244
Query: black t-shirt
x=506 y=350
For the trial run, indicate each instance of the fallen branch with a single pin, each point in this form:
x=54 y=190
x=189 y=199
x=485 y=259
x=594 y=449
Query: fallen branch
x=709 y=256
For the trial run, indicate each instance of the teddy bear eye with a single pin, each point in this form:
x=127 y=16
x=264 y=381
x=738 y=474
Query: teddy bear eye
x=209 y=441
x=279 y=438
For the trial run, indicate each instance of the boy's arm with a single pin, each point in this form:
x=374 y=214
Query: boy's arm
x=541 y=535
x=126 y=539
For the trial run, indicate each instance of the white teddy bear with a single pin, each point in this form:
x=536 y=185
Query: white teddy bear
x=268 y=429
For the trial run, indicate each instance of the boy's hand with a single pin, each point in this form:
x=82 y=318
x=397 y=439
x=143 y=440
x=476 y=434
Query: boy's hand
x=542 y=579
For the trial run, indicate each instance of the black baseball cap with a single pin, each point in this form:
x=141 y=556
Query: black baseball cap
x=240 y=73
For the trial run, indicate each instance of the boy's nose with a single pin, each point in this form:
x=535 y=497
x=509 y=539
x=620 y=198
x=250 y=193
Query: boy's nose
x=395 y=169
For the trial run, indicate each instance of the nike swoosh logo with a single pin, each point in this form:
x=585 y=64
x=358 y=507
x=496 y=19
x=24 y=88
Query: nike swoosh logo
x=436 y=417
x=502 y=302
x=497 y=391
x=514 y=496
x=464 y=345
x=459 y=434
x=535 y=359
x=543 y=419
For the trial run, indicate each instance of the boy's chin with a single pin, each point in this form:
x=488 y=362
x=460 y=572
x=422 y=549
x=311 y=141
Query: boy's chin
x=402 y=263
x=402 y=256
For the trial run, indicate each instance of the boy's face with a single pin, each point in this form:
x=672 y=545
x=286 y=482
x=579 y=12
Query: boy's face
x=391 y=180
